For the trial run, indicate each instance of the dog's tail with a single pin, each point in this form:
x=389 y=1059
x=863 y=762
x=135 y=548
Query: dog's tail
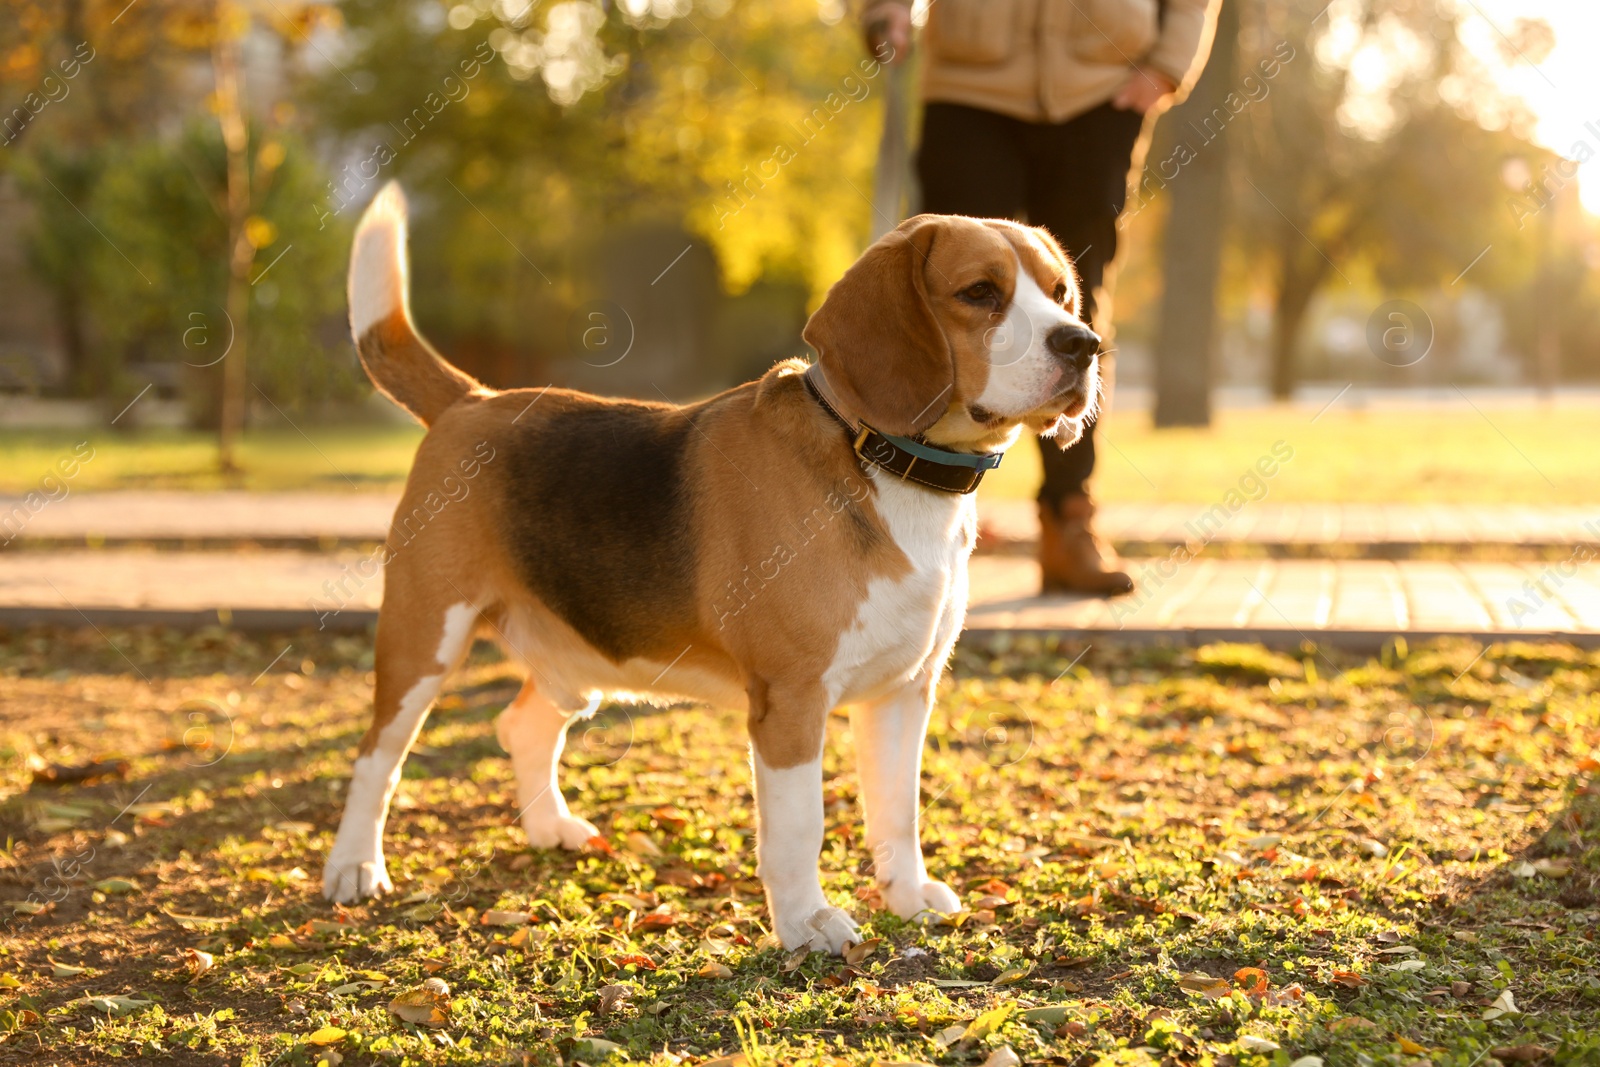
x=403 y=366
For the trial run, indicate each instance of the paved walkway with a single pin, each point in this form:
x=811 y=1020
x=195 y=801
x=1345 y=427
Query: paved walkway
x=1376 y=530
x=309 y=519
x=1336 y=574
x=1342 y=603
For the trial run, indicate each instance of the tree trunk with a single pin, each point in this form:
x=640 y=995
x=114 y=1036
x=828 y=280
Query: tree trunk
x=1296 y=286
x=1192 y=251
x=85 y=377
x=235 y=139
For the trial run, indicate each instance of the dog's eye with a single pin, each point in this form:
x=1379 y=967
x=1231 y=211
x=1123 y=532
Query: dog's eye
x=982 y=293
x=1061 y=292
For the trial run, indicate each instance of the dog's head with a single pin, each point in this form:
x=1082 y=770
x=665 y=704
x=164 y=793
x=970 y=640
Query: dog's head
x=963 y=330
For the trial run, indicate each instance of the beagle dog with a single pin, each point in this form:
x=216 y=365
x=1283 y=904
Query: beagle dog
x=795 y=544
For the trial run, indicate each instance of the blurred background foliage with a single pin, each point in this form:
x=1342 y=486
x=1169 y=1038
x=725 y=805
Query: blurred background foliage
x=697 y=174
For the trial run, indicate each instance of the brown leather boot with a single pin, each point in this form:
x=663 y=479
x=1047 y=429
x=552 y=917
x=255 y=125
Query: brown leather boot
x=1071 y=558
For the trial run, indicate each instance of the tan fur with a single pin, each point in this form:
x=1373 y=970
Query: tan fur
x=407 y=370
x=765 y=620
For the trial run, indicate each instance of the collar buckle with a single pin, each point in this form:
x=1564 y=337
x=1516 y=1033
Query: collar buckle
x=937 y=468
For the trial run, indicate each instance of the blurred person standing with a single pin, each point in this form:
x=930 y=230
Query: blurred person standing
x=1036 y=110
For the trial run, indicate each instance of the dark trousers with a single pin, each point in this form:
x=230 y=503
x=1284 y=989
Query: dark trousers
x=1069 y=177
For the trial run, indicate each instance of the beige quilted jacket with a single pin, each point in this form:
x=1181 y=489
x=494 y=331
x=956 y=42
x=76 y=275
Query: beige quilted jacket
x=1049 y=60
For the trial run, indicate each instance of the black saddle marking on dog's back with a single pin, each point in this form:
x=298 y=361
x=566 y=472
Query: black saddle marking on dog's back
x=598 y=521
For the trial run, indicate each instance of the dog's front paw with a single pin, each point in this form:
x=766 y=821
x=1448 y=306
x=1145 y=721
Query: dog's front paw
x=563 y=831
x=827 y=929
x=922 y=900
x=349 y=877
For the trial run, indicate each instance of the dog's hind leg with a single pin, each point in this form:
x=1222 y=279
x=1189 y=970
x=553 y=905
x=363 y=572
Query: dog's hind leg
x=533 y=730
x=414 y=656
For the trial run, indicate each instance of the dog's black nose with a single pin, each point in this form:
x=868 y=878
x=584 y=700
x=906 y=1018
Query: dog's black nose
x=1075 y=344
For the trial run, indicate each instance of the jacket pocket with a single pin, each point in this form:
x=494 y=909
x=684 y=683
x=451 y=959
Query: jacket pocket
x=1117 y=32
x=975 y=31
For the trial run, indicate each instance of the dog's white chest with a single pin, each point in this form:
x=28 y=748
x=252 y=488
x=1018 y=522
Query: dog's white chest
x=904 y=621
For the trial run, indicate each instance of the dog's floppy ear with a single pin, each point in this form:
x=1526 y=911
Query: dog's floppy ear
x=878 y=340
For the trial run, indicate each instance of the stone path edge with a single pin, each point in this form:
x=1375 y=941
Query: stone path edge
x=358 y=620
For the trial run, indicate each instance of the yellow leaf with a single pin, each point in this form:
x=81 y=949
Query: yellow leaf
x=1408 y=1045
x=328 y=1035
x=989 y=1021
x=1013 y=975
x=713 y=969
x=1203 y=983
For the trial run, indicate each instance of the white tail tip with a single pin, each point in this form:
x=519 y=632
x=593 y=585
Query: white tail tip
x=378 y=281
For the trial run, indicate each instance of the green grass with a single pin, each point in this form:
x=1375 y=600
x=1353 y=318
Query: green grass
x=321 y=458
x=1502 y=456
x=1221 y=856
x=1384 y=455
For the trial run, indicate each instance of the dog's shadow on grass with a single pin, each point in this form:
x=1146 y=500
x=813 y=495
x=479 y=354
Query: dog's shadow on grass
x=210 y=796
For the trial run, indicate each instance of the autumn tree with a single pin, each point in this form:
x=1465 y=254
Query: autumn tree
x=1343 y=176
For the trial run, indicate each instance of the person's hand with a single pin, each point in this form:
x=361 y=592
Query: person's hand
x=888 y=28
x=1147 y=90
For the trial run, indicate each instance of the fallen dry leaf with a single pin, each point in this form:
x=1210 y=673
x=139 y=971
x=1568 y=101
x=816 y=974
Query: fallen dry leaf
x=1352 y=1022
x=80 y=774
x=422 y=1006
x=1200 y=982
x=613 y=997
x=197 y=963
x=496 y=917
x=856 y=954
x=1003 y=1056
x=1504 y=1004
x=1252 y=1043
x=642 y=844
x=1253 y=980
